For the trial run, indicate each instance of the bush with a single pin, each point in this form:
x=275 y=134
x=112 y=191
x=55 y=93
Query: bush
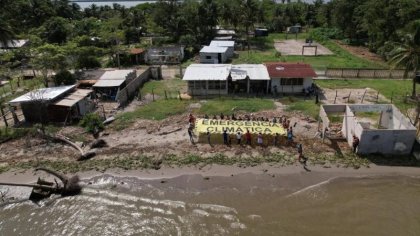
x=92 y=122
x=64 y=77
x=323 y=34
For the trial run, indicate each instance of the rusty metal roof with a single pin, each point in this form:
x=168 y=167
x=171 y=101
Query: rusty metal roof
x=289 y=70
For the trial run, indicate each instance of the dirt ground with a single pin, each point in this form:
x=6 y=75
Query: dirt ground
x=294 y=47
x=160 y=138
x=360 y=51
x=344 y=96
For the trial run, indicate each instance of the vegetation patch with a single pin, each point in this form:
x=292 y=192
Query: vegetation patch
x=307 y=107
x=228 y=106
x=158 y=87
x=158 y=110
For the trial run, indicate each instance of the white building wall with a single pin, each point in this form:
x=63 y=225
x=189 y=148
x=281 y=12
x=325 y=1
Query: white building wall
x=214 y=58
x=307 y=82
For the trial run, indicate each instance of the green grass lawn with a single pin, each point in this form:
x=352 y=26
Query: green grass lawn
x=308 y=107
x=267 y=53
x=395 y=89
x=228 y=106
x=171 y=86
x=158 y=110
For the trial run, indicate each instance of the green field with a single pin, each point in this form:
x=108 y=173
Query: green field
x=158 y=110
x=228 y=106
x=266 y=53
x=158 y=87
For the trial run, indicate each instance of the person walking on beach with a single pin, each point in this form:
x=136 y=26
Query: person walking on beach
x=248 y=137
x=260 y=139
x=239 y=138
x=300 y=151
x=289 y=136
x=209 y=138
x=190 y=134
x=355 y=143
x=225 y=137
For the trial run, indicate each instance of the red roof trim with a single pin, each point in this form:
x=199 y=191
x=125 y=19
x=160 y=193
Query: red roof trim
x=289 y=70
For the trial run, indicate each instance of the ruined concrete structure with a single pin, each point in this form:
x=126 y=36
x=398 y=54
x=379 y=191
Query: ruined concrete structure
x=393 y=135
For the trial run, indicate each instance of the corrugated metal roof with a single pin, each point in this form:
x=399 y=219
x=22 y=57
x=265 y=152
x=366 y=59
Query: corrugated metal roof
x=74 y=98
x=116 y=74
x=225 y=32
x=14 y=43
x=213 y=49
x=222 y=43
x=290 y=70
x=253 y=71
x=44 y=94
x=207 y=72
x=109 y=83
x=223 y=38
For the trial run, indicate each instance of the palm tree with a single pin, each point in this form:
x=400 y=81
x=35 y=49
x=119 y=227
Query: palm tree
x=407 y=54
x=6 y=33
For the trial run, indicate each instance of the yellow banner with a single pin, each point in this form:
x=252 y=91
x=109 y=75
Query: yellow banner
x=234 y=126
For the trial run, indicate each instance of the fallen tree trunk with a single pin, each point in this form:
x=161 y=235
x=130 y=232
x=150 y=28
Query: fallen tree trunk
x=43 y=187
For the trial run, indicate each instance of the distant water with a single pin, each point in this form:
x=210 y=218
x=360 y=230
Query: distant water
x=239 y=205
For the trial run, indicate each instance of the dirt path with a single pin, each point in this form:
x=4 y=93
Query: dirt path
x=362 y=52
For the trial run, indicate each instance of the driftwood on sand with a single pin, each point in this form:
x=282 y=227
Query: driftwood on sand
x=59 y=138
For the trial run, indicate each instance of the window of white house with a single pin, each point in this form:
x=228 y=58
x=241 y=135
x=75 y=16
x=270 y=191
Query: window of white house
x=291 y=81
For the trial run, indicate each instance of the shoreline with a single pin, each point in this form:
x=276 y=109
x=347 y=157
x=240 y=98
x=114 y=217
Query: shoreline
x=30 y=176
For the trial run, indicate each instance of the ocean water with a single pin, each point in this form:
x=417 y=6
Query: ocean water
x=239 y=205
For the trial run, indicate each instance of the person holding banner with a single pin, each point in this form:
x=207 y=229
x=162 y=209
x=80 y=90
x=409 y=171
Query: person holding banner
x=260 y=139
x=248 y=137
x=239 y=138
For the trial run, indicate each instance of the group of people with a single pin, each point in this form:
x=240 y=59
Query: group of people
x=240 y=138
x=283 y=120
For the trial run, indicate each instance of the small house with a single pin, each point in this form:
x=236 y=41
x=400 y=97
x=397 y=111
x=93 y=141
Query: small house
x=164 y=55
x=213 y=55
x=261 y=32
x=250 y=78
x=112 y=82
x=14 y=44
x=230 y=45
x=207 y=79
x=56 y=104
x=290 y=77
x=225 y=33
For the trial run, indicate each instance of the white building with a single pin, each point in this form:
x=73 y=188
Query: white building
x=222 y=79
x=290 y=77
x=213 y=55
x=111 y=82
x=250 y=78
x=207 y=79
x=230 y=45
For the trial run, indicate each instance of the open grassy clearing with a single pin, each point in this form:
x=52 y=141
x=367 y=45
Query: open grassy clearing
x=228 y=106
x=157 y=110
x=395 y=89
x=266 y=52
x=158 y=87
x=307 y=107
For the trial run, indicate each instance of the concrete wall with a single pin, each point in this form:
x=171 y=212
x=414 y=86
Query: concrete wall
x=388 y=142
x=392 y=141
x=214 y=58
x=132 y=89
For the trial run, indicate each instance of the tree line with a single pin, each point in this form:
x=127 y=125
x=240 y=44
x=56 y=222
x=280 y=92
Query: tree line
x=83 y=36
